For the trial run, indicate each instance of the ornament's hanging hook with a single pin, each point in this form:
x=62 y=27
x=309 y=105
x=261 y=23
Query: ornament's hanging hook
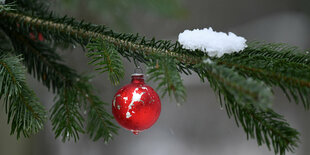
x=138 y=69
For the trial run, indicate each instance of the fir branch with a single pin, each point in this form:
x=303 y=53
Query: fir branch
x=290 y=71
x=35 y=7
x=267 y=127
x=99 y=123
x=249 y=101
x=7 y=7
x=165 y=72
x=290 y=53
x=66 y=118
x=128 y=45
x=44 y=62
x=69 y=30
x=25 y=113
x=136 y=47
x=106 y=58
x=246 y=91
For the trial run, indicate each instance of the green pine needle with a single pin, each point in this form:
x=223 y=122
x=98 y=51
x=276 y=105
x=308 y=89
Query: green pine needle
x=66 y=117
x=165 y=73
x=249 y=102
x=7 y=7
x=246 y=91
x=99 y=123
x=105 y=57
x=25 y=113
x=43 y=62
x=276 y=65
x=266 y=126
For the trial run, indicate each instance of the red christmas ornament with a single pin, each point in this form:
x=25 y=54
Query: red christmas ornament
x=33 y=37
x=39 y=37
x=136 y=106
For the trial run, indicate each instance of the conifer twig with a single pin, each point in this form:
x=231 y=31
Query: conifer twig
x=247 y=100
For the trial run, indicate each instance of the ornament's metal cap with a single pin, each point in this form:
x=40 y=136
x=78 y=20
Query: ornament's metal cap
x=137 y=74
x=137 y=78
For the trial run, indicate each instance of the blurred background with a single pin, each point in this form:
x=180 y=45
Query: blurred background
x=199 y=126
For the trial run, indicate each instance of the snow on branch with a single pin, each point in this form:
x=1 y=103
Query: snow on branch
x=215 y=44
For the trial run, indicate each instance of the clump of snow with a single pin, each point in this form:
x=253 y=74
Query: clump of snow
x=215 y=44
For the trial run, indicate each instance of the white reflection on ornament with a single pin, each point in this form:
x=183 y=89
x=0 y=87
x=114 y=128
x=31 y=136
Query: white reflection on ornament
x=128 y=115
x=125 y=98
x=115 y=99
x=136 y=97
